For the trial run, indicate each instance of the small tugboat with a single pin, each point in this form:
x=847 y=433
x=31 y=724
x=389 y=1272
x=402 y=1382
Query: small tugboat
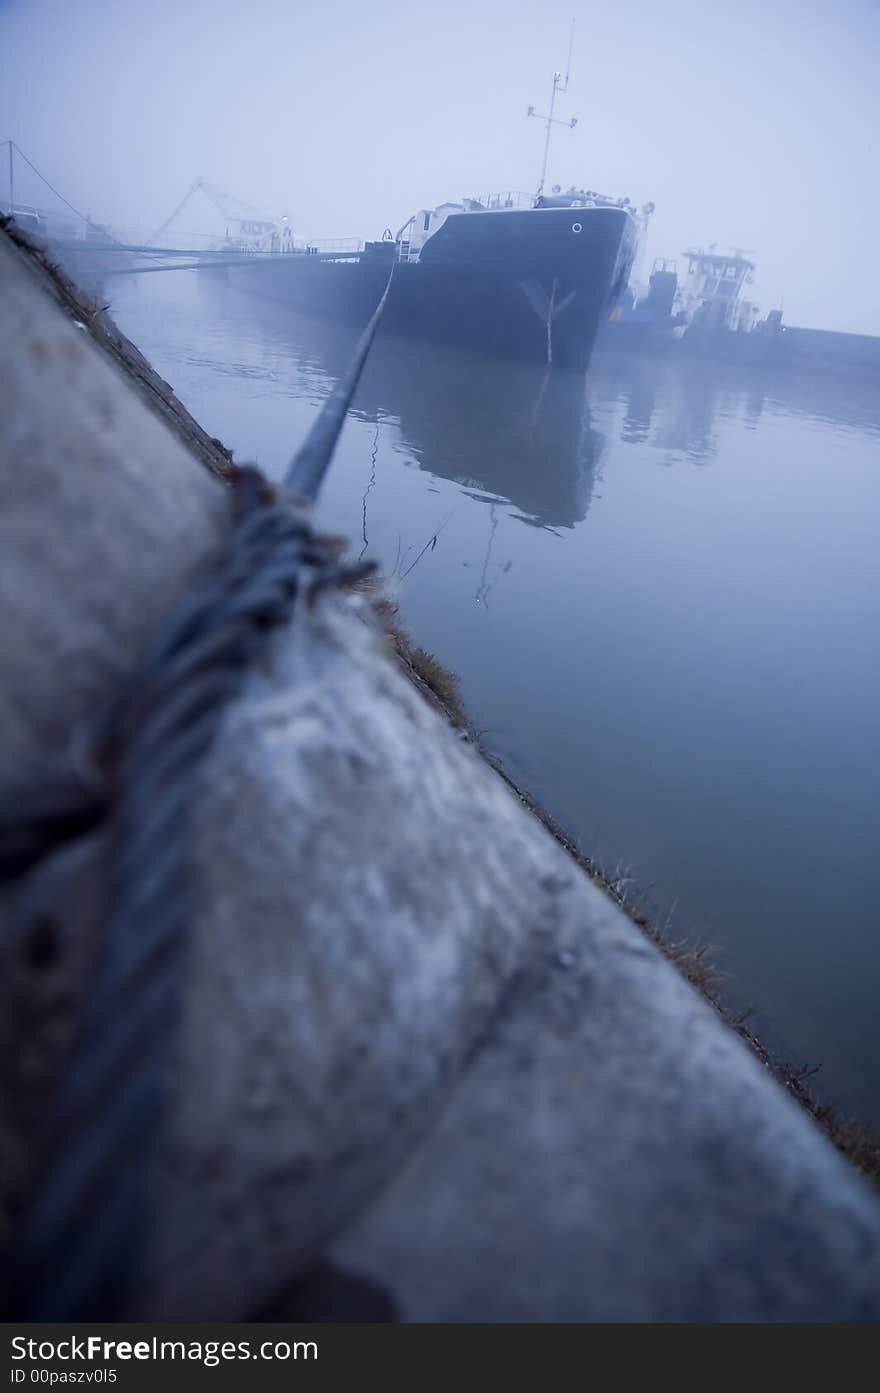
x=705 y=314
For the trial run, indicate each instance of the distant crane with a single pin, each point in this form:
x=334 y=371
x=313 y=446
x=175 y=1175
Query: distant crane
x=558 y=86
x=230 y=208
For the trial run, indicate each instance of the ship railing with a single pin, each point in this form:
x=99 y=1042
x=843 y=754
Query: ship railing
x=492 y=202
x=336 y=244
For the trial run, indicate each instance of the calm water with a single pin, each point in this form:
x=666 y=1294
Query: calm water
x=660 y=595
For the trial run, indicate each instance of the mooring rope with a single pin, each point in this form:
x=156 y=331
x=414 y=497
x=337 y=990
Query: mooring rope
x=79 y=1239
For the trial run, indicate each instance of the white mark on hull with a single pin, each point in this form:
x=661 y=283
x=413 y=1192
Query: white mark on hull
x=546 y=307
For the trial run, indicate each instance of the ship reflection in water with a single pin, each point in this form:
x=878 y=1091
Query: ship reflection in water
x=504 y=431
x=521 y=437
x=659 y=595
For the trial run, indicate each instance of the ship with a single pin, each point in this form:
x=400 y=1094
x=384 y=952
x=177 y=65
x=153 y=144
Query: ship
x=705 y=304
x=531 y=276
x=512 y=274
x=705 y=312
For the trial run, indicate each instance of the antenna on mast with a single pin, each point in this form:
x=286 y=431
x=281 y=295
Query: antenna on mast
x=558 y=86
x=568 y=63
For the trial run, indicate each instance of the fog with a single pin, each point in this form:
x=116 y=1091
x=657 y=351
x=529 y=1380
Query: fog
x=747 y=124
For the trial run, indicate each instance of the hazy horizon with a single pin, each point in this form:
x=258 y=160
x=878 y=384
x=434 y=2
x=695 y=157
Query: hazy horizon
x=747 y=126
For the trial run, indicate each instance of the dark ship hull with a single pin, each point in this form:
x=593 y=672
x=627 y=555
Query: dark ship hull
x=533 y=283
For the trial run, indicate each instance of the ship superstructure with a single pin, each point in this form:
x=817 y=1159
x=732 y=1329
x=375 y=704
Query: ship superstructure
x=711 y=294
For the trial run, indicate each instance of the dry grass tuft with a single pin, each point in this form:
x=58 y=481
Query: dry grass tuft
x=431 y=677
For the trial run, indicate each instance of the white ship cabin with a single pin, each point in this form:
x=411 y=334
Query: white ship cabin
x=423 y=225
x=427 y=221
x=711 y=293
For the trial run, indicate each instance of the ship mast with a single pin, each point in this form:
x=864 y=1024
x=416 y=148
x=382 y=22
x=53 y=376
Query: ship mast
x=558 y=86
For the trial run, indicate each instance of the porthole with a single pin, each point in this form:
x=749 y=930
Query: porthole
x=577 y=227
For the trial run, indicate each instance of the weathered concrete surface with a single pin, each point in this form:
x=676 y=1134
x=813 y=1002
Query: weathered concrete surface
x=615 y=1154
x=383 y=935
x=367 y=885
x=104 y=518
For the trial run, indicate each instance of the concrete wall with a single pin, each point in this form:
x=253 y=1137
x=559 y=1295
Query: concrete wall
x=417 y=1038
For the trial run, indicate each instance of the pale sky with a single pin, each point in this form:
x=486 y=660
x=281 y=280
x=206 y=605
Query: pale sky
x=748 y=124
